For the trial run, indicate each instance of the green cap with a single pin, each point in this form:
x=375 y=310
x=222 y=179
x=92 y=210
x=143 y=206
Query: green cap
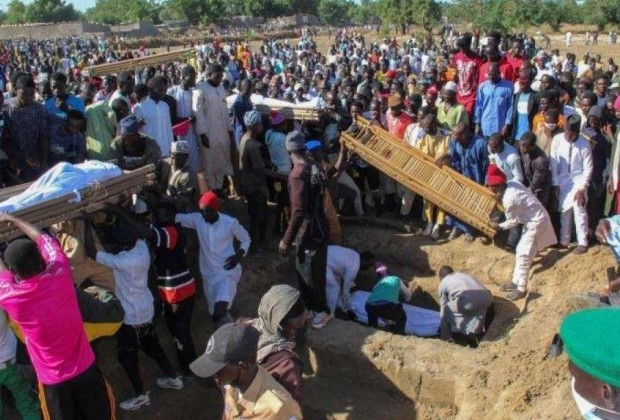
x=591 y=341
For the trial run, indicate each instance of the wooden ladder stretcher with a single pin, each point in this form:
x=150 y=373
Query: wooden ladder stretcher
x=444 y=187
x=93 y=198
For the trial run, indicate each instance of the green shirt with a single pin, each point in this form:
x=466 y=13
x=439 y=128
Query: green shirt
x=100 y=130
x=387 y=290
x=448 y=119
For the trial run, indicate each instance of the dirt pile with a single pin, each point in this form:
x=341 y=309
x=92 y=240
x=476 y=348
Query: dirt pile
x=508 y=376
x=354 y=372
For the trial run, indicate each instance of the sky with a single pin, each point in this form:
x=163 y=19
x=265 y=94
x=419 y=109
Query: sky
x=81 y=5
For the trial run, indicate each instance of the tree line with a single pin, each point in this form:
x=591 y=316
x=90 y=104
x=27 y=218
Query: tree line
x=508 y=15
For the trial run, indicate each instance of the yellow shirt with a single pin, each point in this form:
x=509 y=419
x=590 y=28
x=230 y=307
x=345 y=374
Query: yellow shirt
x=434 y=146
x=265 y=399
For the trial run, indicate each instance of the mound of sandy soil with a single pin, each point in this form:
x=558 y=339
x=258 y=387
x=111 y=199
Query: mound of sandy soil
x=506 y=377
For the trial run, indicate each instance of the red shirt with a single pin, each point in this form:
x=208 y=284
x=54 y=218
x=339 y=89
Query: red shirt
x=505 y=69
x=467 y=67
x=516 y=63
x=398 y=125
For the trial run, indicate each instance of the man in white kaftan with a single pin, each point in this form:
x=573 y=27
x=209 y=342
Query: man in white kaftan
x=219 y=263
x=155 y=115
x=212 y=122
x=183 y=94
x=343 y=265
x=521 y=207
x=571 y=165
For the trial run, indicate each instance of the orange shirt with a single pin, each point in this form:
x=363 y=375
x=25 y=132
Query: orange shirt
x=245 y=59
x=539 y=121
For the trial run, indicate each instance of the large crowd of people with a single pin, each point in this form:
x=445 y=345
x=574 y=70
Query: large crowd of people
x=536 y=127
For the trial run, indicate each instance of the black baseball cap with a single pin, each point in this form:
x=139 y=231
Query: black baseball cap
x=230 y=344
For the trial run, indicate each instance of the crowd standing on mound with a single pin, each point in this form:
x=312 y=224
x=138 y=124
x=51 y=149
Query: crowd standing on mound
x=537 y=127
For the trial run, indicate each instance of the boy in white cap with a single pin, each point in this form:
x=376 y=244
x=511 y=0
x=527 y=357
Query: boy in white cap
x=177 y=179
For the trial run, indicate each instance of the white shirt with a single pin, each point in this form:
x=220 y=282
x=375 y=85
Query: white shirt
x=509 y=162
x=521 y=207
x=131 y=273
x=8 y=342
x=413 y=135
x=571 y=167
x=343 y=264
x=118 y=95
x=158 y=125
x=216 y=241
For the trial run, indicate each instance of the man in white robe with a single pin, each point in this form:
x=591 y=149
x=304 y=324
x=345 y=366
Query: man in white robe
x=154 y=113
x=212 y=122
x=521 y=207
x=183 y=94
x=343 y=266
x=571 y=165
x=220 y=264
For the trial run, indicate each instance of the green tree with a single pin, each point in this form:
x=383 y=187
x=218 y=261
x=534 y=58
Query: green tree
x=600 y=12
x=334 y=12
x=15 y=13
x=113 y=12
x=364 y=13
x=192 y=10
x=214 y=10
x=403 y=13
x=51 y=11
x=425 y=13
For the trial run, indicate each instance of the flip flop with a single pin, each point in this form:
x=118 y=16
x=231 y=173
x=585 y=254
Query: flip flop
x=508 y=287
x=516 y=295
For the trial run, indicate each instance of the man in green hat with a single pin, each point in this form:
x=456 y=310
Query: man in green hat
x=590 y=340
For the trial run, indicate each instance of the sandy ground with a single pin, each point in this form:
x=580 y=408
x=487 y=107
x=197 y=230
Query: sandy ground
x=506 y=378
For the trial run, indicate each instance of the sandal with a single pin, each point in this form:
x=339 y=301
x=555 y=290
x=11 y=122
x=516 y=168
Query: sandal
x=516 y=295
x=580 y=250
x=508 y=287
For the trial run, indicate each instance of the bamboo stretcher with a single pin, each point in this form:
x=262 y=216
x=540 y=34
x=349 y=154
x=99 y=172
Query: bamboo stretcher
x=140 y=62
x=92 y=199
x=444 y=187
x=290 y=113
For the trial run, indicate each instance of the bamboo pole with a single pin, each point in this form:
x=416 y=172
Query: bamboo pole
x=140 y=62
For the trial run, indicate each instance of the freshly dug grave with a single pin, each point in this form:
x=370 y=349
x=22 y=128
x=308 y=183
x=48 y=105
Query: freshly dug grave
x=508 y=376
x=354 y=372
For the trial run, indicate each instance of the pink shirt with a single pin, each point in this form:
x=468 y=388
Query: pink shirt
x=45 y=308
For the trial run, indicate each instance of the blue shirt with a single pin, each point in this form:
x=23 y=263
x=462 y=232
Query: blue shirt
x=470 y=160
x=493 y=106
x=276 y=143
x=73 y=102
x=65 y=147
x=523 y=122
x=240 y=107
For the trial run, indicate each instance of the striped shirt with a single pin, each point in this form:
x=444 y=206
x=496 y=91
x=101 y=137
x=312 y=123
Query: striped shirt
x=174 y=280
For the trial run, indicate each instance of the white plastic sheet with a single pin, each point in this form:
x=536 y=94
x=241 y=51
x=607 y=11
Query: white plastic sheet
x=63 y=178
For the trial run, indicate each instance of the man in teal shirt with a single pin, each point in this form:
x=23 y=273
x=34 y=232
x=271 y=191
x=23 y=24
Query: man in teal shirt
x=385 y=300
